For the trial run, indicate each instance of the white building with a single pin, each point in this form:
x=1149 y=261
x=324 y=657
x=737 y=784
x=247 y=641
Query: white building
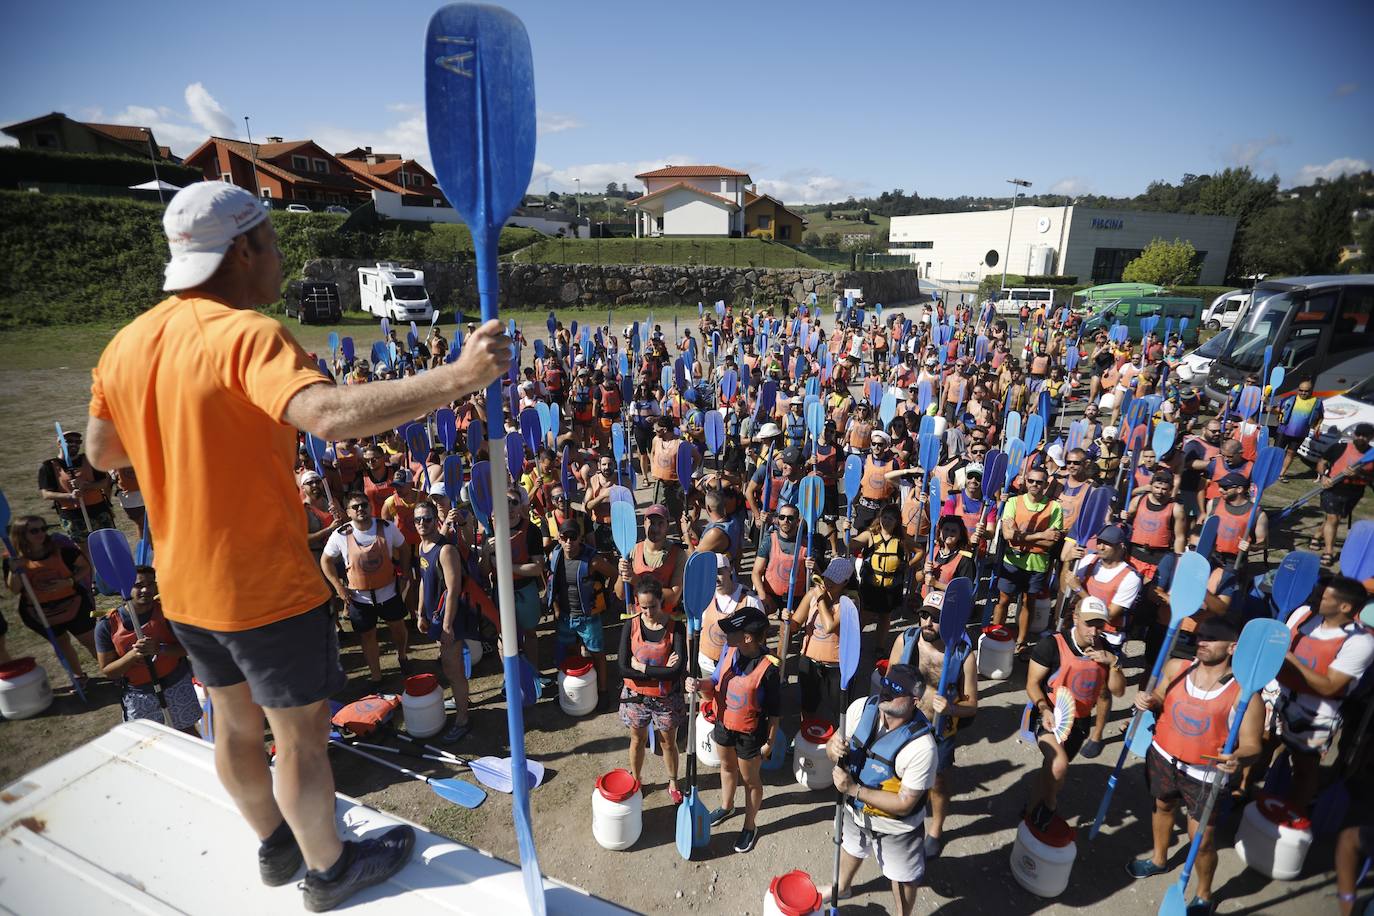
x=691 y=200
x=1092 y=245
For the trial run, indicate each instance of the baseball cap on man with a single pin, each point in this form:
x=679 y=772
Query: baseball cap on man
x=201 y=223
x=747 y=619
x=1091 y=608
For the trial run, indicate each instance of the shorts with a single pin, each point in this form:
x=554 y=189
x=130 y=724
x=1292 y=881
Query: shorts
x=132 y=500
x=1341 y=500
x=1077 y=734
x=585 y=630
x=289 y=663
x=74 y=526
x=141 y=703
x=1169 y=783
x=528 y=607
x=364 y=616
x=1191 y=503
x=637 y=711
x=820 y=689
x=1013 y=580
x=901 y=856
x=1285 y=441
x=880 y=600
x=746 y=745
x=602 y=537
x=79 y=625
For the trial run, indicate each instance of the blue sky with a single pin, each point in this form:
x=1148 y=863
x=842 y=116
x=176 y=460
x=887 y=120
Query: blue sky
x=816 y=100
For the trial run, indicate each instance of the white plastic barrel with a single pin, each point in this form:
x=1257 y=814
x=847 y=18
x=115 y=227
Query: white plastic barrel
x=617 y=810
x=996 y=650
x=792 y=894
x=1041 y=862
x=706 y=745
x=1040 y=620
x=577 y=694
x=24 y=689
x=809 y=764
x=1273 y=839
x=423 y=706
x=206 y=725
x=474 y=651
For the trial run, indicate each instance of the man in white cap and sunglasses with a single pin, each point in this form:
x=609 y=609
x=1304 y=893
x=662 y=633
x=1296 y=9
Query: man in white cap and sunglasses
x=182 y=394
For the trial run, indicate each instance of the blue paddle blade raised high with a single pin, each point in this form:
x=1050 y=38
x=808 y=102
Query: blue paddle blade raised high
x=112 y=559
x=624 y=528
x=1297 y=576
x=453 y=477
x=1357 y=556
x=698 y=586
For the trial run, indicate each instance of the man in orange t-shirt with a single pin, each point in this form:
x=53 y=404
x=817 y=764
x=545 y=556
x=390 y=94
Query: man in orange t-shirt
x=183 y=394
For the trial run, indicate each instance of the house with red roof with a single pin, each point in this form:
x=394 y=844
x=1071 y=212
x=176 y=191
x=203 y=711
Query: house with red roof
x=710 y=200
x=289 y=171
x=55 y=131
x=394 y=173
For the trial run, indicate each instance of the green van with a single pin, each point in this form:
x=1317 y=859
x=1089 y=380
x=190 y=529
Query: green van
x=1129 y=310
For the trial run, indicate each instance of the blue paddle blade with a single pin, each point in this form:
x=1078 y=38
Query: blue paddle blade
x=113 y=561
x=621 y=494
x=994 y=472
x=1259 y=653
x=515 y=455
x=729 y=383
x=887 y=407
x=618 y=443
x=531 y=430
x=624 y=529
x=815 y=419
x=955 y=611
x=463 y=794
x=333 y=342
x=853 y=476
x=850 y=634
x=555 y=422
x=1035 y=431
x=1296 y=577
x=565 y=476
x=1013 y=430
x=715 y=431
x=317 y=449
x=929 y=455
x=1268 y=463
x=812 y=500
x=346 y=347
x=539 y=349
x=1143 y=735
x=1249 y=401
x=698 y=586
x=1207 y=536
x=686 y=464
x=479 y=489
x=683 y=835
x=1189 y=586
x=1357 y=556
x=453 y=477
x=474 y=437
x=417 y=440
x=446 y=423
x=1016 y=453
x=1163 y=438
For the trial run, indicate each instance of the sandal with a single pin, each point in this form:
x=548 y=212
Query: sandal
x=675 y=794
x=1328 y=560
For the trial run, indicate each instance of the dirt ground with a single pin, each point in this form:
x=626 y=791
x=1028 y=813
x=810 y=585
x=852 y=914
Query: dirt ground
x=44 y=376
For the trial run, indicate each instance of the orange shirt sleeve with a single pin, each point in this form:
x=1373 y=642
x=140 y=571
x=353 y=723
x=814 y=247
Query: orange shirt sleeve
x=99 y=408
x=267 y=365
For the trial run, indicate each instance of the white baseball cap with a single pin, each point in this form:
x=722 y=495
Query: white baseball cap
x=201 y=223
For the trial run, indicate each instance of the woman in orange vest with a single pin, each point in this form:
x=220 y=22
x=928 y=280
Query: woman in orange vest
x=1193 y=706
x=747 y=695
x=818 y=618
x=653 y=653
x=54 y=570
x=1078 y=661
x=134 y=644
x=663 y=465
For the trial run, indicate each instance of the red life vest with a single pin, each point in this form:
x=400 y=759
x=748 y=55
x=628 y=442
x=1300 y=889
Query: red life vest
x=370 y=567
x=778 y=573
x=1249 y=441
x=663 y=573
x=1152 y=527
x=1315 y=654
x=663 y=459
x=1232 y=528
x=124 y=637
x=1217 y=470
x=347 y=464
x=405 y=518
x=743 y=710
x=1348 y=459
x=553 y=378
x=1084 y=678
x=377 y=493
x=944 y=571
x=1190 y=728
x=1104 y=590
x=610 y=401
x=1071 y=502
x=650 y=653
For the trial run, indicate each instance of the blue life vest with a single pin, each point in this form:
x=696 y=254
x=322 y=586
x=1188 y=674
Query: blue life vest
x=795 y=433
x=587 y=591
x=432 y=580
x=873 y=760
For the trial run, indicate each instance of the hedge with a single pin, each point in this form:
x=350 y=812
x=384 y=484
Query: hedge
x=71 y=259
x=49 y=166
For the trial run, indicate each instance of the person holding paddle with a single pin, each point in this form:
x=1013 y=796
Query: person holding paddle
x=576 y=596
x=1344 y=480
x=57 y=570
x=133 y=645
x=653 y=659
x=1193 y=705
x=1032 y=525
x=79 y=495
x=224 y=381
x=818 y=617
x=730 y=596
x=440 y=602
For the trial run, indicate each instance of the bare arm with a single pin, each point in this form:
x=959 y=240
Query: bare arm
x=103 y=446
x=335 y=412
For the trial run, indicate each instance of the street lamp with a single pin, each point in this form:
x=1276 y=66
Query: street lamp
x=254 y=153
x=1006 y=255
x=579 y=197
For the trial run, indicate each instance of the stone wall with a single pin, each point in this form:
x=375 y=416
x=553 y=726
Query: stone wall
x=452 y=284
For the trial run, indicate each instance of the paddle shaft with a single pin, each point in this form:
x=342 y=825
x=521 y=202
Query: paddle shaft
x=1210 y=799
x=47 y=627
x=393 y=766
x=1357 y=466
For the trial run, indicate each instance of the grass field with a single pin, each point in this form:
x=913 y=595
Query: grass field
x=705 y=252
x=817 y=223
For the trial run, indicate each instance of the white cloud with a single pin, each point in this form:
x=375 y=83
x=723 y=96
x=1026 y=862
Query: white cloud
x=596 y=175
x=405 y=135
x=207 y=112
x=1331 y=170
x=1254 y=153
x=183 y=131
x=805 y=187
x=553 y=123
x=1072 y=186
x=1345 y=89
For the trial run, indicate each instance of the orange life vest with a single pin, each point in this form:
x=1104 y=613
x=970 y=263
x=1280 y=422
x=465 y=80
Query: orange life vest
x=84 y=476
x=663 y=573
x=52 y=586
x=663 y=460
x=875 y=485
x=1153 y=527
x=405 y=518
x=1218 y=470
x=943 y=573
x=610 y=402
x=1071 y=502
x=370 y=567
x=1084 y=678
x=1347 y=460
x=1106 y=591
x=1033 y=522
x=650 y=653
x=123 y=637
x=778 y=573
x=377 y=493
x=743 y=708
x=860 y=434
x=1315 y=654
x=817 y=644
x=1190 y=728
x=1233 y=527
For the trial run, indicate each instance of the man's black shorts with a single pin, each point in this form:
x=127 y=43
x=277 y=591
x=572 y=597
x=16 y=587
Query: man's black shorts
x=293 y=662
x=364 y=617
x=1168 y=783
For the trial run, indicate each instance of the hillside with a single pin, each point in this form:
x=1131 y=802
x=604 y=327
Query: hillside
x=706 y=252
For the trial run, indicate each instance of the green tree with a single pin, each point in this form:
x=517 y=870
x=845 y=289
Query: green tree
x=1331 y=226
x=1165 y=263
x=811 y=239
x=1364 y=237
x=612 y=188
x=866 y=245
x=829 y=214
x=1277 y=242
x=830 y=240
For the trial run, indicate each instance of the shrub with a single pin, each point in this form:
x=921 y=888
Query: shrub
x=54 y=167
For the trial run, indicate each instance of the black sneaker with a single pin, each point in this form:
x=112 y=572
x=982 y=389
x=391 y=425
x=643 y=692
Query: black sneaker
x=1090 y=749
x=278 y=865
x=746 y=839
x=366 y=862
x=720 y=814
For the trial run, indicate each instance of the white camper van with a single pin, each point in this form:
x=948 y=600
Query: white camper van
x=394 y=292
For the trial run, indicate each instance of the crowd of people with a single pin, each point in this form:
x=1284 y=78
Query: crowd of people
x=946 y=447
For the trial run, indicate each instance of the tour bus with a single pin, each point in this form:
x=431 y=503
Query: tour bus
x=1321 y=329
x=1011 y=300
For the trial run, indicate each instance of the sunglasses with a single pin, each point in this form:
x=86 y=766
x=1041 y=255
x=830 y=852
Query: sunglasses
x=1036 y=481
x=893 y=689
x=928 y=615
x=41 y=529
x=1071 y=462
x=423 y=519
x=358 y=507
x=788 y=518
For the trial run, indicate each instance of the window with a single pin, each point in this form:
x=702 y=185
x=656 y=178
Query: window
x=765 y=222
x=45 y=140
x=321 y=165
x=266 y=192
x=1301 y=344
x=1354 y=329
x=990 y=259
x=226 y=178
x=1108 y=263
x=1146 y=309
x=300 y=163
x=417 y=181
x=784 y=232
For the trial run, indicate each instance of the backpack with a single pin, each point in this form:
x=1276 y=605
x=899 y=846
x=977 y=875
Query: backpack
x=365 y=716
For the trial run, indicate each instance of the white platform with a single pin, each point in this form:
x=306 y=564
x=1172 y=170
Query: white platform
x=137 y=822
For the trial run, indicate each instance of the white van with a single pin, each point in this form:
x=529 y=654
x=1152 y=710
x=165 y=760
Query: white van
x=1225 y=309
x=394 y=292
x=1009 y=302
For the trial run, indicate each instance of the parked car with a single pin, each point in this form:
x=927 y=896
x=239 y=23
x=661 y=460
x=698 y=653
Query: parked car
x=1130 y=310
x=313 y=302
x=1340 y=414
x=335 y=208
x=1225 y=309
x=297 y=208
x=1193 y=368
